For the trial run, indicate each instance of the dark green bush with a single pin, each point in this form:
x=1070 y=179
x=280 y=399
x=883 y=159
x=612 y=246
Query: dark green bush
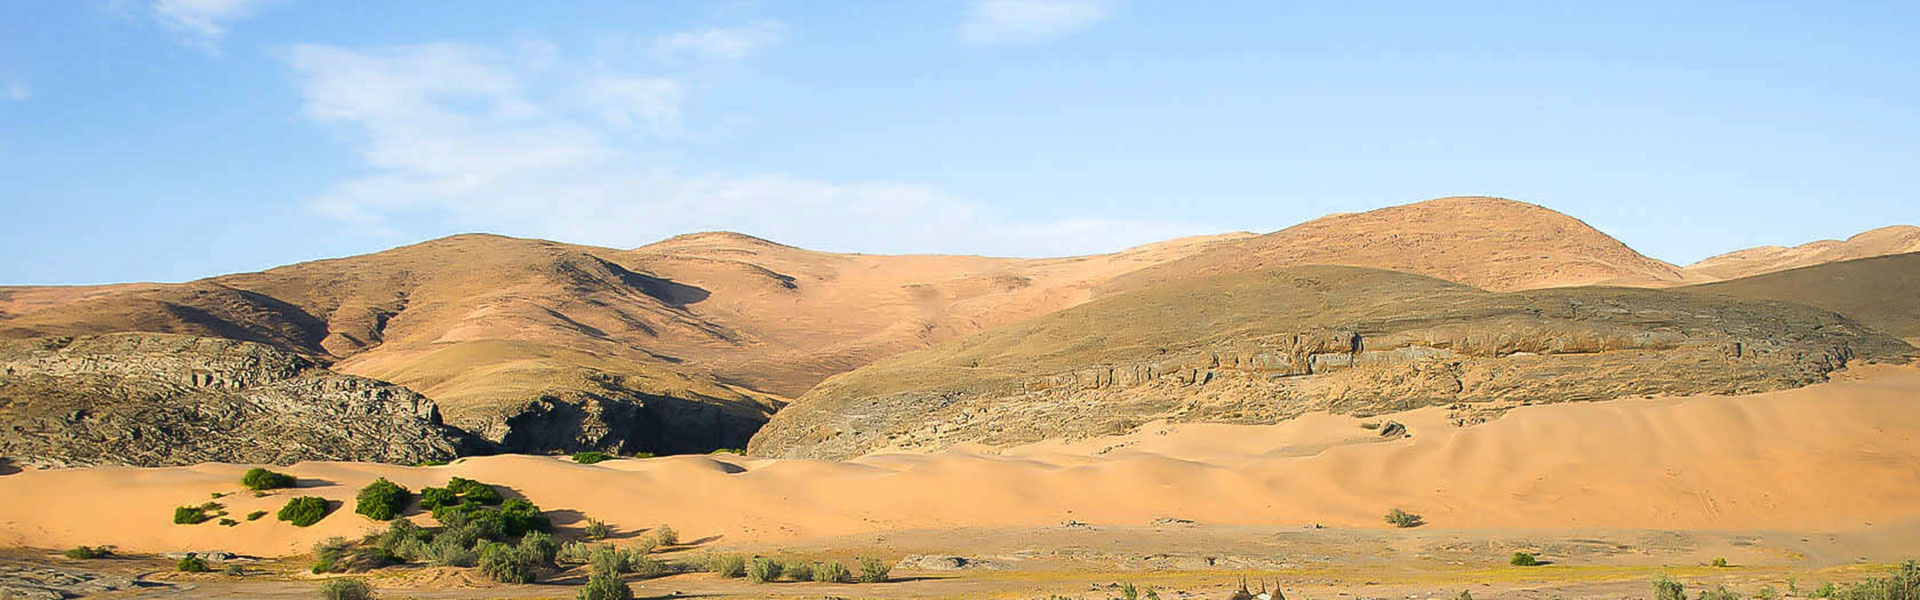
x=475 y=491
x=506 y=564
x=874 y=570
x=382 y=500
x=346 y=588
x=255 y=515
x=304 y=511
x=189 y=515
x=88 y=552
x=521 y=516
x=224 y=522
x=191 y=564
x=261 y=479
x=1401 y=518
x=1522 y=559
x=433 y=498
x=592 y=456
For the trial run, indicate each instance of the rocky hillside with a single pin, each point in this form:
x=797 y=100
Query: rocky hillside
x=151 y=400
x=1881 y=292
x=1268 y=345
x=1898 y=239
x=1490 y=243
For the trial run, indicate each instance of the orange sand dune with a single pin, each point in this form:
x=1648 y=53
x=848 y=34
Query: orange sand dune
x=1835 y=456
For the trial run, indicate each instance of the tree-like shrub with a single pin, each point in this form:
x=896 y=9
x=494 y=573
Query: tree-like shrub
x=382 y=500
x=346 y=588
x=505 y=564
x=259 y=479
x=763 y=570
x=874 y=570
x=191 y=564
x=1522 y=559
x=832 y=572
x=303 y=511
x=1401 y=518
x=189 y=515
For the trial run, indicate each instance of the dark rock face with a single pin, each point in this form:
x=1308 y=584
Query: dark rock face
x=1269 y=346
x=159 y=399
x=625 y=423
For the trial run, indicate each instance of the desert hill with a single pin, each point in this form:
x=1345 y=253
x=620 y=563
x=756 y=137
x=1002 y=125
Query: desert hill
x=1881 y=292
x=1898 y=239
x=1268 y=345
x=1489 y=243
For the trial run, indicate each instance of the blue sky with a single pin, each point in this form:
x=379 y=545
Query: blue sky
x=166 y=140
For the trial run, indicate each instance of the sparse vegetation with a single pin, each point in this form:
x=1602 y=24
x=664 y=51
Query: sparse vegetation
x=382 y=500
x=603 y=579
x=597 y=530
x=469 y=489
x=539 y=546
x=255 y=515
x=1665 y=588
x=1401 y=518
x=259 y=479
x=434 y=497
x=88 y=552
x=798 y=570
x=303 y=511
x=1464 y=595
x=1523 y=559
x=1720 y=562
x=346 y=588
x=225 y=522
x=592 y=456
x=832 y=572
x=234 y=570
x=1901 y=584
x=726 y=565
x=664 y=536
x=189 y=515
x=191 y=564
x=506 y=564
x=874 y=570
x=1128 y=592
x=763 y=570
x=1720 y=593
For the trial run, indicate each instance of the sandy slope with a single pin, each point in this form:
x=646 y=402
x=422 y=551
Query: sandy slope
x=1834 y=456
x=1884 y=241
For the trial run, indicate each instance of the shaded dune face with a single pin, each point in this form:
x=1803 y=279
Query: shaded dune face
x=1881 y=292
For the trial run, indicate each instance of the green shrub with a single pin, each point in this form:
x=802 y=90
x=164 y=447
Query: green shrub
x=189 y=515
x=646 y=566
x=304 y=511
x=346 y=588
x=382 y=500
x=576 y=552
x=727 y=565
x=1767 y=593
x=1718 y=561
x=259 y=479
x=475 y=491
x=1720 y=593
x=432 y=463
x=604 y=586
x=255 y=515
x=1128 y=592
x=1522 y=559
x=224 y=522
x=506 y=564
x=666 y=536
x=592 y=456
x=433 y=497
x=234 y=570
x=330 y=555
x=597 y=530
x=539 y=546
x=448 y=551
x=798 y=570
x=873 y=570
x=1401 y=518
x=88 y=552
x=832 y=572
x=1464 y=595
x=401 y=533
x=191 y=564
x=1665 y=588
x=520 y=516
x=763 y=570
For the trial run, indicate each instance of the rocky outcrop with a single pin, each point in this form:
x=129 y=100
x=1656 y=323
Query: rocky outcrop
x=1268 y=346
x=159 y=399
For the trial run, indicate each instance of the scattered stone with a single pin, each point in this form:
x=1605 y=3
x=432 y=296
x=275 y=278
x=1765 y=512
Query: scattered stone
x=212 y=555
x=1165 y=521
x=1072 y=524
x=32 y=583
x=1392 y=429
x=931 y=562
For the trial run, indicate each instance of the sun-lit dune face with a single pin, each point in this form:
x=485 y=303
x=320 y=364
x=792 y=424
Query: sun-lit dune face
x=1898 y=239
x=1789 y=460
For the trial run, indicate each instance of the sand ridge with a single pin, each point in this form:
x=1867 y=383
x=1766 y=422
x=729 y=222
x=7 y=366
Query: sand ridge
x=1834 y=456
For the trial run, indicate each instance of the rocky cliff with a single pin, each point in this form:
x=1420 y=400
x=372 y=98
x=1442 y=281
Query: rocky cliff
x=1270 y=345
x=158 y=399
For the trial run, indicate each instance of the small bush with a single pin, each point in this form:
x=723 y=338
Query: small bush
x=330 y=555
x=597 y=530
x=224 y=522
x=1720 y=593
x=346 y=588
x=666 y=536
x=645 y=566
x=191 y=564
x=1401 y=518
x=1767 y=593
x=592 y=456
x=727 y=565
x=255 y=515
x=1665 y=588
x=1464 y=595
x=506 y=564
x=304 y=511
x=798 y=570
x=873 y=570
x=475 y=491
x=382 y=500
x=576 y=552
x=1718 y=561
x=540 y=547
x=88 y=552
x=258 y=479
x=1128 y=592
x=234 y=570
x=1522 y=559
x=433 y=497
x=189 y=515
x=432 y=463
x=832 y=572
x=604 y=586
x=763 y=570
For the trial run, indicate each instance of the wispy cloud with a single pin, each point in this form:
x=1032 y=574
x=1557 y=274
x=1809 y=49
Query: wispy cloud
x=1027 y=21
x=204 y=22
x=531 y=142
x=16 y=91
x=720 y=43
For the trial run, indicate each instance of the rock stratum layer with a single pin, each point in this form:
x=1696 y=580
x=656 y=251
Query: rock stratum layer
x=148 y=399
x=1266 y=346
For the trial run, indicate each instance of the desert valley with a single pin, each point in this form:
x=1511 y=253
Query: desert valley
x=1460 y=397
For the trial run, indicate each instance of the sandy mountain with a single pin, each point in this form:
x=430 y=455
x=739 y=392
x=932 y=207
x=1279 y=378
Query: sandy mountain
x=1265 y=346
x=1490 y=243
x=1898 y=239
x=684 y=345
x=1881 y=292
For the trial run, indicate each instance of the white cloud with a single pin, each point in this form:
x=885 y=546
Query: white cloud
x=1026 y=21
x=205 y=20
x=531 y=143
x=16 y=92
x=721 y=43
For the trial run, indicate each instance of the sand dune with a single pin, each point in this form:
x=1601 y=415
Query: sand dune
x=1834 y=456
x=1884 y=241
